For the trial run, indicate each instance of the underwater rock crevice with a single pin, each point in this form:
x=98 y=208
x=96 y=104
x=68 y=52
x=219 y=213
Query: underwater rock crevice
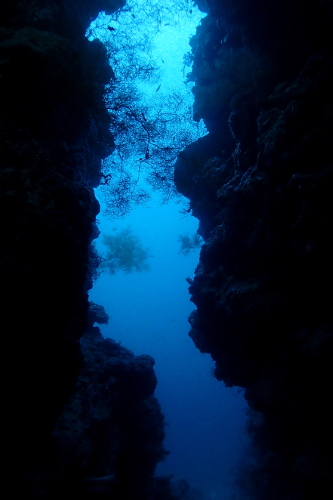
x=80 y=414
x=264 y=205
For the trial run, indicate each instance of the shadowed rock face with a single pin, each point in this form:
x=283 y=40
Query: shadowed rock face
x=263 y=199
x=79 y=413
x=52 y=124
x=109 y=437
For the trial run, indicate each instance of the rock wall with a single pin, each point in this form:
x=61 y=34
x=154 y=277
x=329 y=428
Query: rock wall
x=78 y=413
x=109 y=437
x=260 y=184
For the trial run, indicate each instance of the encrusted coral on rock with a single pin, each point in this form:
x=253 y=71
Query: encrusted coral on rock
x=79 y=413
x=263 y=78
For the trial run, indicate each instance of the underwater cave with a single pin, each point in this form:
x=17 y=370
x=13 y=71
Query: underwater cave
x=166 y=188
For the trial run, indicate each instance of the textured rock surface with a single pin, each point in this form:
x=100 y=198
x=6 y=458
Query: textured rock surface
x=79 y=415
x=263 y=84
x=109 y=436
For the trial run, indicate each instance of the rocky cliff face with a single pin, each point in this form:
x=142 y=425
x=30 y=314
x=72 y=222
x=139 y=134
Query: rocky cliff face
x=109 y=436
x=260 y=184
x=79 y=415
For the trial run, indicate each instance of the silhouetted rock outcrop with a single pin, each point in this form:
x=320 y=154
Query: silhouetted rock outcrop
x=109 y=436
x=263 y=84
x=79 y=416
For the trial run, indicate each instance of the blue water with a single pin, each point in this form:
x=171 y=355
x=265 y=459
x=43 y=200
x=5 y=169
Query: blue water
x=148 y=314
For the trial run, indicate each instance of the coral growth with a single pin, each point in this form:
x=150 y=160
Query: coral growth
x=125 y=252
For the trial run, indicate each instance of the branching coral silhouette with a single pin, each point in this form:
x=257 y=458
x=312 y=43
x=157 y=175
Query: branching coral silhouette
x=125 y=252
x=189 y=243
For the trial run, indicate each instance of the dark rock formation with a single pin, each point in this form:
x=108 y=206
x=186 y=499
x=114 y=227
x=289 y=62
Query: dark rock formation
x=109 y=436
x=262 y=189
x=79 y=417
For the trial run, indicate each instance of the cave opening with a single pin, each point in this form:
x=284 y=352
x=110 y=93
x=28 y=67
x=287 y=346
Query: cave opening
x=148 y=311
x=80 y=418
